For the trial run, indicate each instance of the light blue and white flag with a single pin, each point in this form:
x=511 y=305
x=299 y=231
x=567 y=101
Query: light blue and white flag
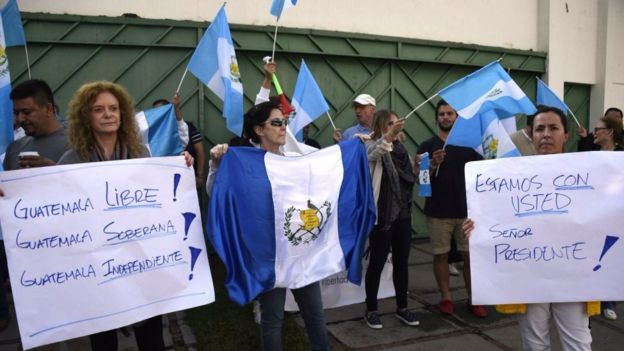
x=214 y=63
x=159 y=130
x=6 y=105
x=482 y=100
x=12 y=25
x=280 y=221
x=547 y=97
x=278 y=6
x=307 y=100
x=485 y=134
x=424 y=188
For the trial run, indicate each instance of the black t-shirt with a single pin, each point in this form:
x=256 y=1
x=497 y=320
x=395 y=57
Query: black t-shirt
x=312 y=142
x=194 y=138
x=448 y=188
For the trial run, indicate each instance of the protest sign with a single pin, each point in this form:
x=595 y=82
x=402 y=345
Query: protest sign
x=337 y=290
x=97 y=246
x=547 y=228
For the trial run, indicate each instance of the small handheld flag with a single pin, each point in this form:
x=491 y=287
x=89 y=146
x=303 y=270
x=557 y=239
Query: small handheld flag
x=278 y=6
x=482 y=99
x=159 y=130
x=425 y=182
x=214 y=63
x=547 y=97
x=307 y=100
x=12 y=25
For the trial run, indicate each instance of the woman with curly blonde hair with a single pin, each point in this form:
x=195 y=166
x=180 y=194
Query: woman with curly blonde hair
x=102 y=128
x=102 y=125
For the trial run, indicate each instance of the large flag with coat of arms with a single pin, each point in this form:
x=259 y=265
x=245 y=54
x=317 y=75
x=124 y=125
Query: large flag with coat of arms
x=288 y=222
x=482 y=100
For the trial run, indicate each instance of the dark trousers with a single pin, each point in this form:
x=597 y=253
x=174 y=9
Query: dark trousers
x=149 y=337
x=311 y=306
x=4 y=305
x=398 y=237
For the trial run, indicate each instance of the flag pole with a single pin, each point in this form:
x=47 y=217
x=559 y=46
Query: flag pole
x=330 y=120
x=421 y=105
x=443 y=148
x=274 y=40
x=573 y=116
x=27 y=60
x=181 y=80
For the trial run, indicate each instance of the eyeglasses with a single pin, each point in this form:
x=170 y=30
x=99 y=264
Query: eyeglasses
x=599 y=128
x=278 y=122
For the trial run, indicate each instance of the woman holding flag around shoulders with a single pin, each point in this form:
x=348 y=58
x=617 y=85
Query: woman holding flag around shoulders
x=266 y=126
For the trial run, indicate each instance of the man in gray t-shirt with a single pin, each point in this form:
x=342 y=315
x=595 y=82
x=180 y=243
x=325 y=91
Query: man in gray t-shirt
x=34 y=108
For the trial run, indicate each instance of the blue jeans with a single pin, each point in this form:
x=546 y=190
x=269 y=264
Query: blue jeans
x=311 y=306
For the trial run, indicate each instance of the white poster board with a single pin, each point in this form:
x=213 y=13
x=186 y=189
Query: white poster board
x=337 y=290
x=97 y=246
x=547 y=228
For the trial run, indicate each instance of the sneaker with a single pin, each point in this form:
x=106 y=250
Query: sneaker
x=609 y=314
x=478 y=310
x=372 y=320
x=446 y=307
x=407 y=317
x=453 y=270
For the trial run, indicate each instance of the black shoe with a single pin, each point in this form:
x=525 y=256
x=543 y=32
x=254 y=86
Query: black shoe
x=372 y=320
x=407 y=317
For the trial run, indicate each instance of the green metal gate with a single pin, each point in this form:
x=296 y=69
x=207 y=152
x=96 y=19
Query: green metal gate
x=149 y=58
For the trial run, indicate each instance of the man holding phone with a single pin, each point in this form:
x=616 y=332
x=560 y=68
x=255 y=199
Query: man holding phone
x=45 y=140
x=44 y=144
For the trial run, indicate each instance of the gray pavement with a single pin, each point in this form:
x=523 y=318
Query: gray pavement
x=461 y=331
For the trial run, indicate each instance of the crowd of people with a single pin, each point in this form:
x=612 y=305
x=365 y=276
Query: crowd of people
x=102 y=127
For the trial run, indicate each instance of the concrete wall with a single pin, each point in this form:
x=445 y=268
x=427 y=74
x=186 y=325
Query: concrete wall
x=583 y=38
x=484 y=22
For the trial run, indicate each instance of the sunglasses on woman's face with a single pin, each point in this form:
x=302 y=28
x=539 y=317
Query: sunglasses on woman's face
x=278 y=122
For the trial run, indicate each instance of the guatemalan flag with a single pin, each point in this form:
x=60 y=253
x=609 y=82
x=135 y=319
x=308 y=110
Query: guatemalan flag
x=307 y=100
x=278 y=6
x=159 y=130
x=11 y=34
x=288 y=222
x=214 y=63
x=547 y=97
x=482 y=99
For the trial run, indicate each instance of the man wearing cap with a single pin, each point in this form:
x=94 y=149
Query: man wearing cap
x=364 y=106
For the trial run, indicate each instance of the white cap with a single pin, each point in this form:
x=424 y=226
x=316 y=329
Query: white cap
x=364 y=99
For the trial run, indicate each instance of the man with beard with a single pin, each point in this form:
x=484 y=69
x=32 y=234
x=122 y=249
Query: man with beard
x=446 y=208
